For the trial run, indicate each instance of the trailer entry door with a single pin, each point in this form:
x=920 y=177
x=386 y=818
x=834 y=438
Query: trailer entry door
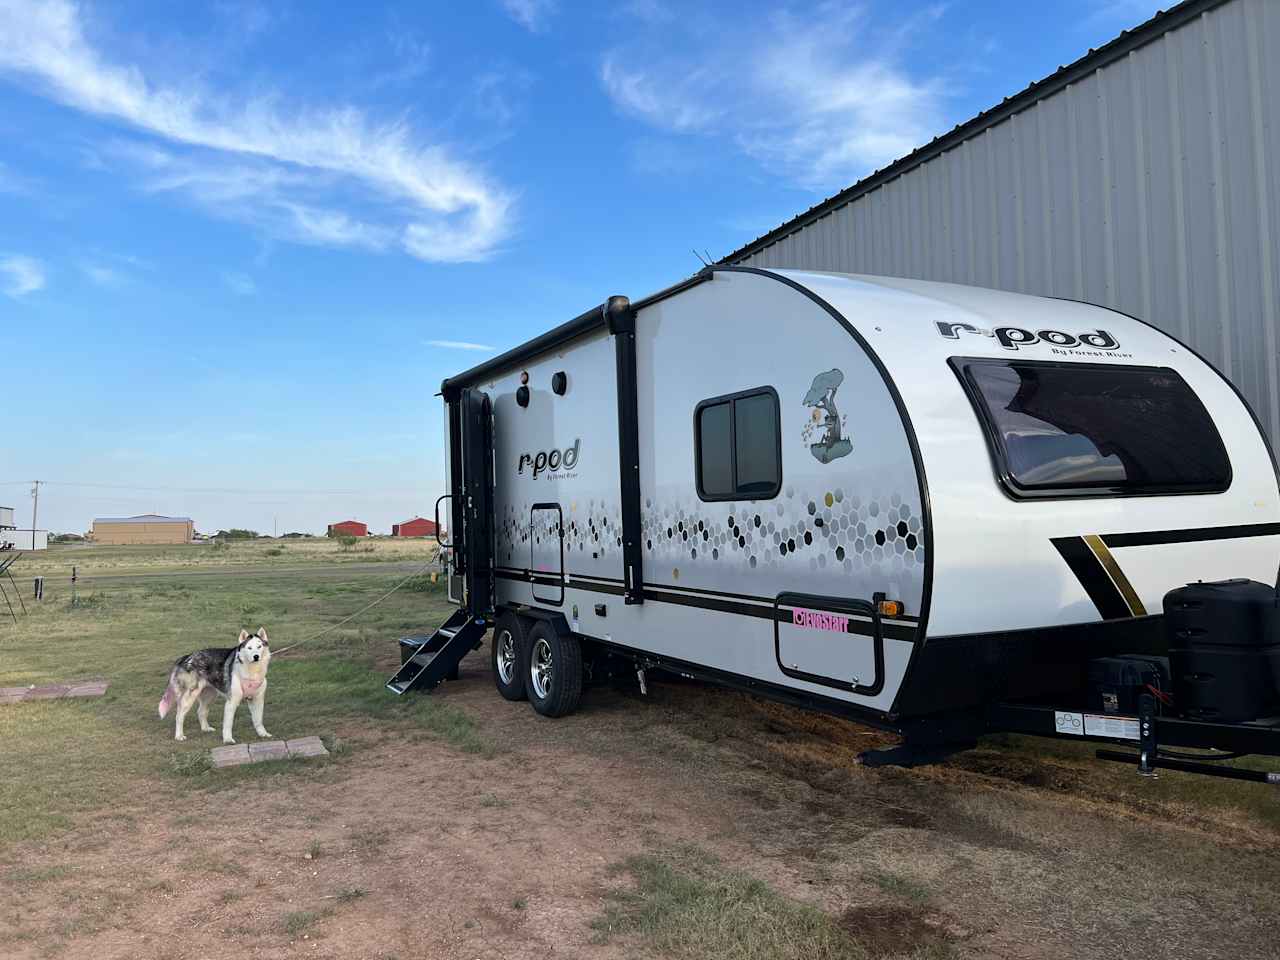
x=471 y=475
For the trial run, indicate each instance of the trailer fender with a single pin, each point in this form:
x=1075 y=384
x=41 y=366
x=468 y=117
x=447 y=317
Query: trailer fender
x=552 y=617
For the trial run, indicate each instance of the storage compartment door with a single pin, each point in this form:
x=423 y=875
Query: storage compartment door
x=833 y=641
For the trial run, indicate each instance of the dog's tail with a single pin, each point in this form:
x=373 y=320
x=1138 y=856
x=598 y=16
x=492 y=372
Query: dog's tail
x=170 y=695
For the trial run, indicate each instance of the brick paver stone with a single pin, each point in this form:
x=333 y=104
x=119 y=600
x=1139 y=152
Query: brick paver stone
x=268 y=750
x=50 y=692
x=307 y=747
x=93 y=688
x=231 y=755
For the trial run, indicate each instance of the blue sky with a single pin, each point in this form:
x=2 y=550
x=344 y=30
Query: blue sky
x=241 y=243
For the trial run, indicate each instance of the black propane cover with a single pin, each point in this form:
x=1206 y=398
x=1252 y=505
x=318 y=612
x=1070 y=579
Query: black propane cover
x=1224 y=649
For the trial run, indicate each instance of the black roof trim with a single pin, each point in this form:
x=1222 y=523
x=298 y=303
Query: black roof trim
x=702 y=275
x=1128 y=41
x=597 y=318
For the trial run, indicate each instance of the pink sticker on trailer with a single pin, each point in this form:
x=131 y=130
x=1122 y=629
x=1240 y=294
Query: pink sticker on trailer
x=819 y=620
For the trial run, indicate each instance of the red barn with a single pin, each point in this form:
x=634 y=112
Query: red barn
x=417 y=527
x=349 y=528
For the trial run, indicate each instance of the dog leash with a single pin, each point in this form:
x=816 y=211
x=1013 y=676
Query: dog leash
x=365 y=608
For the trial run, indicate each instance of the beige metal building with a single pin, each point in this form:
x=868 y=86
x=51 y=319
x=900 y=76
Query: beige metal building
x=148 y=528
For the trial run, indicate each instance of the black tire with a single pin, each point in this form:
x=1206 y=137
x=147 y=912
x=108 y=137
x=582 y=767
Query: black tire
x=508 y=675
x=553 y=674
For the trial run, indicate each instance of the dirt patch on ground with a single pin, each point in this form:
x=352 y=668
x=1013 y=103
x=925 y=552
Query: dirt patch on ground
x=407 y=847
x=890 y=929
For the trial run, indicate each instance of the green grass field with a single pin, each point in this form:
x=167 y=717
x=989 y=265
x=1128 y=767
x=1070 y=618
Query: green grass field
x=62 y=758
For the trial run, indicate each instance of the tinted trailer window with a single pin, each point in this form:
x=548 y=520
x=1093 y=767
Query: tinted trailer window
x=738 y=446
x=1076 y=429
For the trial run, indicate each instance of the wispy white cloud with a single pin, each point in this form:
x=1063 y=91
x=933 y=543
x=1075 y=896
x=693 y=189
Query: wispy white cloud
x=240 y=283
x=821 y=99
x=102 y=275
x=21 y=275
x=530 y=14
x=680 y=104
x=459 y=345
x=332 y=175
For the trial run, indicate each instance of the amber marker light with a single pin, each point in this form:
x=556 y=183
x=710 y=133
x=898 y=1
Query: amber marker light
x=890 y=608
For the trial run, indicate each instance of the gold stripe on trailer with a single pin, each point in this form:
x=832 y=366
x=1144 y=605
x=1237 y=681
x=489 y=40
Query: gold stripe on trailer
x=1117 y=575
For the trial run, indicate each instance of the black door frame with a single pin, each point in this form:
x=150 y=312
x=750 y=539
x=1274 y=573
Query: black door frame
x=473 y=499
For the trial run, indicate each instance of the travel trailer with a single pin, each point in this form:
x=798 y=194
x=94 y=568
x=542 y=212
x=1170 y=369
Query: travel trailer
x=937 y=509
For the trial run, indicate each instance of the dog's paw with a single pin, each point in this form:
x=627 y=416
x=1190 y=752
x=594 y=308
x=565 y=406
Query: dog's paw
x=208 y=730
x=179 y=736
x=264 y=735
x=228 y=740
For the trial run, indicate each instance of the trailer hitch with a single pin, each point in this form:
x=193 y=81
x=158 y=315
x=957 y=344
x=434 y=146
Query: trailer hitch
x=1149 y=754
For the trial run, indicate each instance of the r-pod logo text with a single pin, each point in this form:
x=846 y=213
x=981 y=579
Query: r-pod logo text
x=1011 y=338
x=553 y=460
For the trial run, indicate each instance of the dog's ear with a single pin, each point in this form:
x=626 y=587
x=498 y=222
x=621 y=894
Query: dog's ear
x=262 y=635
x=244 y=635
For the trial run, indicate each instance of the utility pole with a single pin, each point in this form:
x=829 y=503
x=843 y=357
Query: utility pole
x=35 y=508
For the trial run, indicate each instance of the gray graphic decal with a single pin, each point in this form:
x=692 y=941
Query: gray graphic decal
x=832 y=445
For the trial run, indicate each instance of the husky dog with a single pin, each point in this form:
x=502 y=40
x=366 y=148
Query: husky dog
x=237 y=673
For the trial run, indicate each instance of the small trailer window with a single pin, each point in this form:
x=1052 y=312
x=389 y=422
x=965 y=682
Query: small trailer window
x=738 y=449
x=1084 y=429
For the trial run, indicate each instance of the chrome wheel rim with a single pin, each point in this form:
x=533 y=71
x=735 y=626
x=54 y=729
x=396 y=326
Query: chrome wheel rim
x=506 y=657
x=540 y=667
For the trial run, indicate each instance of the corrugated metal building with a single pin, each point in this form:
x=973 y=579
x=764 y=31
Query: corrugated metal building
x=349 y=528
x=1144 y=177
x=148 y=528
x=6 y=517
x=417 y=527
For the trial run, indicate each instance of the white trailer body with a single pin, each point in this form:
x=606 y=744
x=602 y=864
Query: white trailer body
x=892 y=499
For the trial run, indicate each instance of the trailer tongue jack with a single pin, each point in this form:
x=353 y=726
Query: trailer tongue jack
x=1156 y=737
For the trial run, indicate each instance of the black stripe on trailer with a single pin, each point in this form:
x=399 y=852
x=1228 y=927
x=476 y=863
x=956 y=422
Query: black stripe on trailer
x=1102 y=590
x=1147 y=538
x=760 y=608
